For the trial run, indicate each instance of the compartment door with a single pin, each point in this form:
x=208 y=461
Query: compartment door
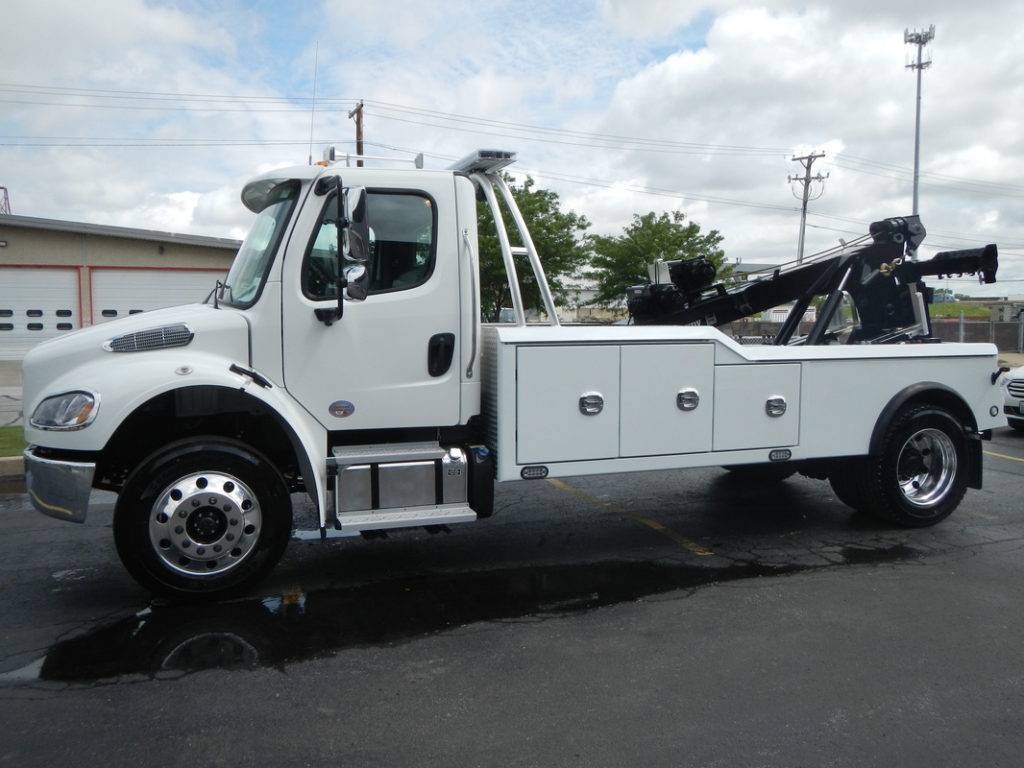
x=742 y=394
x=667 y=399
x=551 y=423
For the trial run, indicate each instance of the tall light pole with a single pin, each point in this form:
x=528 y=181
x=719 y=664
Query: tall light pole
x=920 y=39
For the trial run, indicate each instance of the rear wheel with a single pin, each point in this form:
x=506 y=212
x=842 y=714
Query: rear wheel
x=920 y=474
x=845 y=484
x=205 y=517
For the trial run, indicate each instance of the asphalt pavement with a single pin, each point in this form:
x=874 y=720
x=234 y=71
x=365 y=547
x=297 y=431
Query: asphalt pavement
x=656 y=619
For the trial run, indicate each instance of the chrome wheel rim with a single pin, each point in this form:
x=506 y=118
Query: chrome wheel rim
x=926 y=467
x=205 y=524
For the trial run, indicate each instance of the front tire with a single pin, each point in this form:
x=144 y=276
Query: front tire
x=206 y=517
x=920 y=474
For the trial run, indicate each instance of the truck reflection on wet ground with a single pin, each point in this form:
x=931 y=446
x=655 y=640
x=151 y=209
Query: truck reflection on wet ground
x=170 y=640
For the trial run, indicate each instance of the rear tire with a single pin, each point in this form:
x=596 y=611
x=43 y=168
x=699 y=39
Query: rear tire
x=846 y=486
x=207 y=517
x=919 y=476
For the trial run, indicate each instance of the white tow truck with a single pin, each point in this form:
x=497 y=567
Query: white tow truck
x=345 y=357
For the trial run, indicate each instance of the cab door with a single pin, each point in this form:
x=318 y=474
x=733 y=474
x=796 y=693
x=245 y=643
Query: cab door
x=391 y=360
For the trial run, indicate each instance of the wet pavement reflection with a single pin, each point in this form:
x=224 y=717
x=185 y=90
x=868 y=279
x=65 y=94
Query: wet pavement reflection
x=170 y=640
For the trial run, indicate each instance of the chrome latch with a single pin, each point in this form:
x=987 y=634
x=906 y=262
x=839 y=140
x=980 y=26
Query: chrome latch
x=687 y=399
x=591 y=404
x=775 y=406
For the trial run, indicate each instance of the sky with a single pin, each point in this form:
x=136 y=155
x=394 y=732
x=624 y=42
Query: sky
x=154 y=114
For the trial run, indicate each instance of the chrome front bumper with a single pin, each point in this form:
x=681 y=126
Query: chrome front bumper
x=59 y=489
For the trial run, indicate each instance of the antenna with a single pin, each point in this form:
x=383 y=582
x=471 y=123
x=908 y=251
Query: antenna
x=312 y=106
x=5 y=201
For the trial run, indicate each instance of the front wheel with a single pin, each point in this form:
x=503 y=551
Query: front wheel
x=920 y=474
x=204 y=517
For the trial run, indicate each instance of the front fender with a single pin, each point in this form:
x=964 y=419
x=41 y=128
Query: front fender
x=138 y=379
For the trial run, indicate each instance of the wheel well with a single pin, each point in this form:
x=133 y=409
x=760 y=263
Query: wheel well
x=182 y=413
x=924 y=393
x=931 y=393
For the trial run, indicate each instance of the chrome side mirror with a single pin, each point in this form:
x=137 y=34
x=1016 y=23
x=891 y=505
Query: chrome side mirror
x=356 y=241
x=353 y=250
x=357 y=282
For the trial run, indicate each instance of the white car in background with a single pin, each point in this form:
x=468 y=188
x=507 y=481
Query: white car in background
x=1014 y=407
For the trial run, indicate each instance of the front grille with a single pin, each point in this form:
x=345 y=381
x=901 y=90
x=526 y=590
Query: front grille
x=178 y=335
x=1016 y=387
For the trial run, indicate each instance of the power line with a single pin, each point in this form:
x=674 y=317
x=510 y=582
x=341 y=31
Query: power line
x=336 y=105
x=893 y=171
x=449 y=121
x=519 y=131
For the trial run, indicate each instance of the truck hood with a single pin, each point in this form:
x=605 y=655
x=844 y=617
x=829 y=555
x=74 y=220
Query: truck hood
x=197 y=327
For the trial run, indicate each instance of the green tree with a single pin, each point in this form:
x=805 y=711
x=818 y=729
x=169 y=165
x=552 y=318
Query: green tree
x=560 y=239
x=621 y=261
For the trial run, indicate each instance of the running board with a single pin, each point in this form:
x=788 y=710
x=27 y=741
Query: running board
x=405 y=517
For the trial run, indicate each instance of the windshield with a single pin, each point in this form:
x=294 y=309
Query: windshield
x=249 y=269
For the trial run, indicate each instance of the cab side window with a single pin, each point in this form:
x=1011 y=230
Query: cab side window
x=402 y=245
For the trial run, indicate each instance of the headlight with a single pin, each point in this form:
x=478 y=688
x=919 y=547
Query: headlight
x=71 y=410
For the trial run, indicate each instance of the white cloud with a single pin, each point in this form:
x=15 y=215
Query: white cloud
x=800 y=77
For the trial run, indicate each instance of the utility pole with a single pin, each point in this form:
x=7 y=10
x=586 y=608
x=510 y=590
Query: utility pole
x=357 y=113
x=920 y=39
x=806 y=161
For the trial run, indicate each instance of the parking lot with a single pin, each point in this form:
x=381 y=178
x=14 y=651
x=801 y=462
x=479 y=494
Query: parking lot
x=658 y=619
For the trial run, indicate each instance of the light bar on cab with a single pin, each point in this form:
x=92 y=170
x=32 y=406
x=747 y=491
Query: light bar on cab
x=484 y=161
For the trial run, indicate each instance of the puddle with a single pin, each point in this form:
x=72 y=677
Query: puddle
x=172 y=640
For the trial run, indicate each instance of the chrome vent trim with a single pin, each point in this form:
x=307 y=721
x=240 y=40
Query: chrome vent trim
x=177 y=335
x=1016 y=387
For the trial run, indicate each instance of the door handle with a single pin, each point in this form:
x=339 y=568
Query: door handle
x=440 y=350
